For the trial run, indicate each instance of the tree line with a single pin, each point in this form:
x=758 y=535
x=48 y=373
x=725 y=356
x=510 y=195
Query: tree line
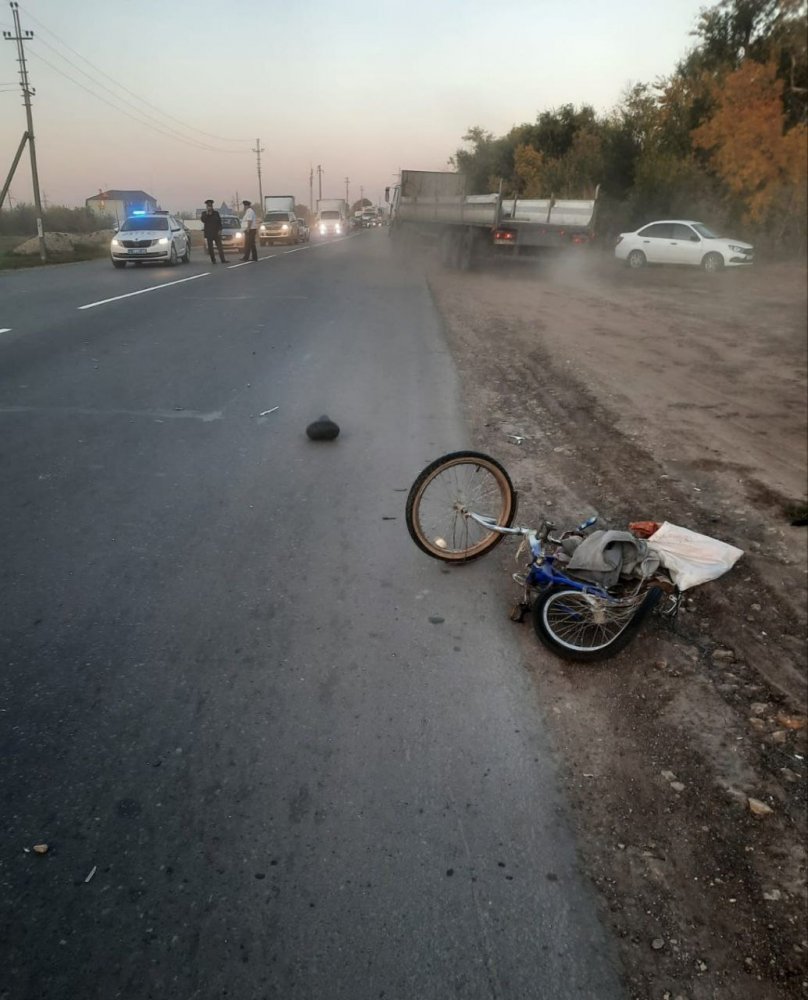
x=724 y=138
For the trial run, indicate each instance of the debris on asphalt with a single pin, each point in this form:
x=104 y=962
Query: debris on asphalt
x=92 y=872
x=265 y=413
x=40 y=848
x=758 y=808
x=322 y=429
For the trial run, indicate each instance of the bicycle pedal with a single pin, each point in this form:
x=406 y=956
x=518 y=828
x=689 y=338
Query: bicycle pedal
x=520 y=578
x=518 y=612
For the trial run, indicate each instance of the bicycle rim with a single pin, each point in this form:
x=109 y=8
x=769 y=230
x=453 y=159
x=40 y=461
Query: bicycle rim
x=585 y=624
x=442 y=496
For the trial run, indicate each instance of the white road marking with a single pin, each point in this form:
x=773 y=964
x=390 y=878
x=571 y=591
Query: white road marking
x=158 y=415
x=5 y=329
x=142 y=291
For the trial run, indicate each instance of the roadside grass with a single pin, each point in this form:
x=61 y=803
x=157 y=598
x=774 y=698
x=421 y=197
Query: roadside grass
x=11 y=262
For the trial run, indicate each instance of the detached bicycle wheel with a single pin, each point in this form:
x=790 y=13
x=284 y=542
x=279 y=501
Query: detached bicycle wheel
x=442 y=496
x=585 y=628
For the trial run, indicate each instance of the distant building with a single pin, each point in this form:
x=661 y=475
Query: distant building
x=121 y=204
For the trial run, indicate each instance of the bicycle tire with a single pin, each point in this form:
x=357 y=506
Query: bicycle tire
x=444 y=490
x=575 y=629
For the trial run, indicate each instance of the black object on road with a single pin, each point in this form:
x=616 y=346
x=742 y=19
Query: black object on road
x=323 y=429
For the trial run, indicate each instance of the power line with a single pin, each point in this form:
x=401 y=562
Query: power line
x=171 y=135
x=118 y=97
x=137 y=97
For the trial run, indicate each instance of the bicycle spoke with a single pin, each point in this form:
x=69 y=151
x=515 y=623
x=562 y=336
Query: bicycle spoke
x=446 y=493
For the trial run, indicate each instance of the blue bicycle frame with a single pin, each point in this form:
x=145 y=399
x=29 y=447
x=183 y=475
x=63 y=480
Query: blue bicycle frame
x=542 y=572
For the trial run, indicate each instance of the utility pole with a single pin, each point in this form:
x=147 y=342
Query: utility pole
x=258 y=150
x=347 y=182
x=311 y=188
x=361 y=197
x=320 y=173
x=27 y=92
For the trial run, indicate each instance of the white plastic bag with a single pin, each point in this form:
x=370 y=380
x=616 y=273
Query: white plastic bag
x=691 y=558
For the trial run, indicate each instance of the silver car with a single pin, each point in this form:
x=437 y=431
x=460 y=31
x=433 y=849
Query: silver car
x=278 y=227
x=232 y=234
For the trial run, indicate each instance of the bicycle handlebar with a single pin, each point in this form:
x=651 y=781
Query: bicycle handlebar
x=542 y=535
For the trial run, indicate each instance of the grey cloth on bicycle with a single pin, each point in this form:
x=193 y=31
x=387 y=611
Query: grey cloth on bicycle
x=604 y=556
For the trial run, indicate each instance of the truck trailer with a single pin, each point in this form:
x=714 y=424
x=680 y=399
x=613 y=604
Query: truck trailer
x=474 y=225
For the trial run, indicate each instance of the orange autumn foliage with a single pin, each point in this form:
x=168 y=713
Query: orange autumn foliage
x=759 y=162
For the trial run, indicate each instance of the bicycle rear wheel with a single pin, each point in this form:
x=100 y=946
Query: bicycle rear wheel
x=585 y=628
x=444 y=493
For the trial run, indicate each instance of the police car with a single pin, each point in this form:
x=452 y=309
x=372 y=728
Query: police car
x=154 y=237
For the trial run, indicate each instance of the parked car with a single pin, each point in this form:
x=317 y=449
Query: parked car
x=279 y=227
x=156 y=237
x=304 y=232
x=232 y=233
x=681 y=242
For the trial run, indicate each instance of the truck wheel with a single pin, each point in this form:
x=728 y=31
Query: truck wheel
x=448 y=248
x=465 y=249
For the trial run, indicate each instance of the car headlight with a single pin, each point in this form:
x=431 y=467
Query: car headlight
x=284 y=228
x=240 y=236
x=338 y=229
x=322 y=229
x=737 y=249
x=164 y=241
x=116 y=243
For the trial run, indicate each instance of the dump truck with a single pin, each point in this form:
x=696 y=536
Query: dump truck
x=476 y=225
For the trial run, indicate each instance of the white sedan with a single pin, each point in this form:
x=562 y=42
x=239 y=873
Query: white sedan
x=681 y=242
x=156 y=237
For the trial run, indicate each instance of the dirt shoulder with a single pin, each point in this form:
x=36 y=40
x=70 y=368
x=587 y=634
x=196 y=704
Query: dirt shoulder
x=668 y=395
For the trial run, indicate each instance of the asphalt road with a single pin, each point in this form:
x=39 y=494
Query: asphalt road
x=273 y=749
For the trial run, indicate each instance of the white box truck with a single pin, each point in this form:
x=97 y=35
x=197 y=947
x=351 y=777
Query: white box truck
x=332 y=217
x=280 y=224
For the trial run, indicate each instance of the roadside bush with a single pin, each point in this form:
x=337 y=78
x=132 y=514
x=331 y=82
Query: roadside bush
x=21 y=220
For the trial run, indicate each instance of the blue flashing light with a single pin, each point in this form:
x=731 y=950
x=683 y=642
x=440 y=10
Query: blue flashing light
x=139 y=213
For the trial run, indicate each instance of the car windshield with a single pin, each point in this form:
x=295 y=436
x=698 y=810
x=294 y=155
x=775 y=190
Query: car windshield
x=230 y=222
x=140 y=222
x=704 y=231
x=277 y=217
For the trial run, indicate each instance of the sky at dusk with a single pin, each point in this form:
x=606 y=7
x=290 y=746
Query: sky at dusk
x=171 y=97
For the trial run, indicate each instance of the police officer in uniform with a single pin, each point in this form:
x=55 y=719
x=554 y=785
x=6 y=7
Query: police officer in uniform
x=212 y=223
x=249 y=223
